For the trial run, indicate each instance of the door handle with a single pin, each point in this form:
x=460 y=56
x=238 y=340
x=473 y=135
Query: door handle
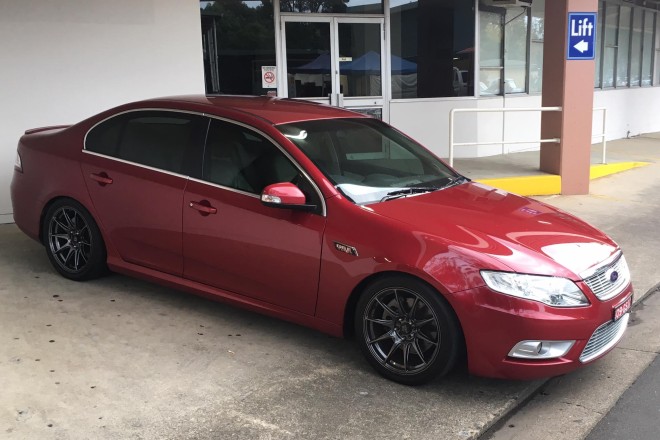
x=204 y=207
x=102 y=178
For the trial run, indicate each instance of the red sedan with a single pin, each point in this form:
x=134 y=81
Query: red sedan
x=328 y=219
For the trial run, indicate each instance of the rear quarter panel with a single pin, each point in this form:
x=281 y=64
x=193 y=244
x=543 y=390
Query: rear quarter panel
x=51 y=169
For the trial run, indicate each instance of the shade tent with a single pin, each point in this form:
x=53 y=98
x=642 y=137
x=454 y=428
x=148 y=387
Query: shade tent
x=368 y=63
x=320 y=64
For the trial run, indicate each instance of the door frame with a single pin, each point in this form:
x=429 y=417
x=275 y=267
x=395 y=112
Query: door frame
x=335 y=99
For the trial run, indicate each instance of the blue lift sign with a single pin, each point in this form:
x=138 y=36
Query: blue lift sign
x=581 y=35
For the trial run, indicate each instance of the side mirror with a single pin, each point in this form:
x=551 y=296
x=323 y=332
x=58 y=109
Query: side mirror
x=285 y=195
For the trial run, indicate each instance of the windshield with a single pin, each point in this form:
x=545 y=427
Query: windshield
x=369 y=161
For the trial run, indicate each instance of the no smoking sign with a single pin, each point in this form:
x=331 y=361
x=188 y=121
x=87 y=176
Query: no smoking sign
x=268 y=77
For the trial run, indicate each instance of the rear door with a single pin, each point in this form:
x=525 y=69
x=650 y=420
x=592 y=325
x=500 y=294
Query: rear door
x=135 y=166
x=232 y=241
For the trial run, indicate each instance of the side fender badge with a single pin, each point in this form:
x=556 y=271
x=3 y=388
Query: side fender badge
x=350 y=250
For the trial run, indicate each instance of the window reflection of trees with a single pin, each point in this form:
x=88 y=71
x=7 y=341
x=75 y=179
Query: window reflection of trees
x=322 y=6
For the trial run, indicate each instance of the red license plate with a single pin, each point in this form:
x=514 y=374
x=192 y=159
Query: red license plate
x=622 y=309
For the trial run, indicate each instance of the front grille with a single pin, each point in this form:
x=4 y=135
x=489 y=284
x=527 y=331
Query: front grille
x=605 y=337
x=601 y=283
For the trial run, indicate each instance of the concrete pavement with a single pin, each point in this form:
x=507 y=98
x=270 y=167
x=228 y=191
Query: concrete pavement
x=636 y=414
x=119 y=358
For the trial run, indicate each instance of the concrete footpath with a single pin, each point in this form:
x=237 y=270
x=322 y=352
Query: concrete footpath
x=119 y=358
x=636 y=414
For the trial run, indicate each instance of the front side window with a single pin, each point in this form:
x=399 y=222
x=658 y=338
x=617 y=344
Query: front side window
x=239 y=158
x=367 y=160
x=158 y=139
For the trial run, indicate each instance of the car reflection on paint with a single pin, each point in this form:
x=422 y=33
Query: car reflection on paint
x=329 y=219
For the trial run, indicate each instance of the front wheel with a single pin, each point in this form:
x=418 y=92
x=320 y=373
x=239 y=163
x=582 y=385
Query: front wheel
x=406 y=330
x=73 y=241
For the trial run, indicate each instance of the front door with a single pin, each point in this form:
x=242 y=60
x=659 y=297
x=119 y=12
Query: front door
x=335 y=60
x=232 y=241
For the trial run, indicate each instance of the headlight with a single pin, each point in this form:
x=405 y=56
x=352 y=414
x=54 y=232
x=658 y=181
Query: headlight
x=553 y=291
x=18 y=164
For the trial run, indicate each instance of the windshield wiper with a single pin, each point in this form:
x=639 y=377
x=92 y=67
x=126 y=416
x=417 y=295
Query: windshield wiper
x=407 y=192
x=456 y=181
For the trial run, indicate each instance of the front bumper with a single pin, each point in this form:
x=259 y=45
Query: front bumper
x=493 y=323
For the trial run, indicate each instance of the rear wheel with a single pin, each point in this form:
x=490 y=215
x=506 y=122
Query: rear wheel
x=73 y=241
x=406 y=330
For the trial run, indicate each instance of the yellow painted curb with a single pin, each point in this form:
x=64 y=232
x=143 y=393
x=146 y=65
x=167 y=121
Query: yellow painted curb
x=550 y=184
x=607 y=169
x=545 y=185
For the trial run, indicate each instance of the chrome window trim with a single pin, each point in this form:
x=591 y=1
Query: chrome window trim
x=171 y=173
x=226 y=188
x=146 y=109
x=210 y=117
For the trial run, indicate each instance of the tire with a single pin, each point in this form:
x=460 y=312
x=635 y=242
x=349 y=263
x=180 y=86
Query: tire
x=73 y=242
x=410 y=347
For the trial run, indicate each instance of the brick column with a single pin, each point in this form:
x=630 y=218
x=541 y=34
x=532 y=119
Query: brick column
x=568 y=84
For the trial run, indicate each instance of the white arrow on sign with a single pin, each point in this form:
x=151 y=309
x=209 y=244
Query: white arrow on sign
x=582 y=46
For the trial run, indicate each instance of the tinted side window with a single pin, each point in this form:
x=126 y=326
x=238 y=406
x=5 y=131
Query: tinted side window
x=104 y=138
x=158 y=139
x=242 y=159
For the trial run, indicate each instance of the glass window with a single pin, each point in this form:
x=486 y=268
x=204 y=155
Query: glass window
x=104 y=138
x=333 y=6
x=611 y=47
x=490 y=51
x=240 y=158
x=657 y=51
x=308 y=60
x=359 y=45
x=238 y=38
x=158 y=139
x=647 y=51
x=623 y=52
x=536 y=49
x=367 y=159
x=432 y=48
x=599 y=44
x=636 y=47
x=515 y=50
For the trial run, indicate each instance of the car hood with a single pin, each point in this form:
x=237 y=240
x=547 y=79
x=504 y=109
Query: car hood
x=525 y=235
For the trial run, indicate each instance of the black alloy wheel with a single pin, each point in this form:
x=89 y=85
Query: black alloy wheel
x=406 y=330
x=73 y=242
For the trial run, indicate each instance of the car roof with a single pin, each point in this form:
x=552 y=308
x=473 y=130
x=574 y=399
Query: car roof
x=273 y=110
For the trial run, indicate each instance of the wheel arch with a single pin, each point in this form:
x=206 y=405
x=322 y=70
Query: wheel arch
x=351 y=303
x=53 y=200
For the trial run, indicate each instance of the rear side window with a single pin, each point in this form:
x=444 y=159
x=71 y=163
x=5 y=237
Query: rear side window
x=157 y=139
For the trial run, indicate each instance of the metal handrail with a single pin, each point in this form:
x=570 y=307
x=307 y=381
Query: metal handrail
x=453 y=144
x=603 y=135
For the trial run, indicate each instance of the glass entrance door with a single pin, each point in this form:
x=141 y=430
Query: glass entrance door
x=335 y=60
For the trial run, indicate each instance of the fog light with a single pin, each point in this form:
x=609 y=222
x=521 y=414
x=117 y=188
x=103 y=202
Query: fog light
x=540 y=349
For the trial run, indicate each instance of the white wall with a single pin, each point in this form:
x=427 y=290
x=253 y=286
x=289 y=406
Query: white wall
x=427 y=121
x=629 y=111
x=62 y=61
